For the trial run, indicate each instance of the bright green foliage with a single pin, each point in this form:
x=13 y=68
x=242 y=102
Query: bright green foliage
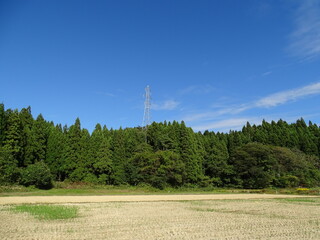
x=48 y=212
x=38 y=175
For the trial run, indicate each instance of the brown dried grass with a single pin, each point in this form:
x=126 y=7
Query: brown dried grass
x=207 y=219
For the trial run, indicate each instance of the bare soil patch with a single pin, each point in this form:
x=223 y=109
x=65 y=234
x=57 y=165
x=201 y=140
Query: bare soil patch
x=137 y=198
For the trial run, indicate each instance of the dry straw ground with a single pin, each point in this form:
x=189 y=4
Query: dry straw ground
x=198 y=219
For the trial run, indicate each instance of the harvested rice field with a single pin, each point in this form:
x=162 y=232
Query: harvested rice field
x=228 y=218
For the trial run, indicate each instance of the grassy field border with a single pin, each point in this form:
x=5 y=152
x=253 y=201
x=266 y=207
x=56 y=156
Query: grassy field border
x=98 y=190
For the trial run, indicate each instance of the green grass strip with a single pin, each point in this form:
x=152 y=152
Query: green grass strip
x=48 y=212
x=307 y=200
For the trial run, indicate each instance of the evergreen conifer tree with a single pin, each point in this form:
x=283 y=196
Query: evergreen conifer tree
x=55 y=154
x=73 y=152
x=2 y=123
x=119 y=156
x=188 y=153
x=13 y=136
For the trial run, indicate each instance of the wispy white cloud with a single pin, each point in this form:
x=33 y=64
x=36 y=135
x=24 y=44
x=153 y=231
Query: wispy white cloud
x=191 y=117
x=166 y=105
x=286 y=96
x=231 y=123
x=214 y=114
x=237 y=123
x=197 y=89
x=226 y=118
x=271 y=100
x=266 y=73
x=108 y=94
x=306 y=37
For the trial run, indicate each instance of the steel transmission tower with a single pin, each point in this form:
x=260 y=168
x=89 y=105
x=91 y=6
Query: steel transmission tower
x=147 y=105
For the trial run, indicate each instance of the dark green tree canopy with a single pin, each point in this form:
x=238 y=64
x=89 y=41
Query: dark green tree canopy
x=167 y=154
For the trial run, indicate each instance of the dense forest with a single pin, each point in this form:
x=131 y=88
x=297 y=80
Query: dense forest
x=276 y=154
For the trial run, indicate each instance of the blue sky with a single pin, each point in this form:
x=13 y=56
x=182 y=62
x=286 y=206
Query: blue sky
x=213 y=64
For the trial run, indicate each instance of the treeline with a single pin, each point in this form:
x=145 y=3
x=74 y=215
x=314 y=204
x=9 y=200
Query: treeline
x=35 y=152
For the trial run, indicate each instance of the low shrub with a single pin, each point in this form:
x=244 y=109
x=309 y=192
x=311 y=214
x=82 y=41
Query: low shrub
x=38 y=175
